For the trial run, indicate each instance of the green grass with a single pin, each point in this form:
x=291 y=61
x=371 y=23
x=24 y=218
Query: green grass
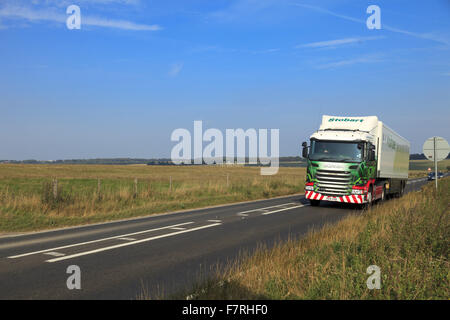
x=407 y=238
x=27 y=200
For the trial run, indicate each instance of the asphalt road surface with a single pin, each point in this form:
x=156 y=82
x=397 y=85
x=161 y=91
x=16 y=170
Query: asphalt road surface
x=157 y=254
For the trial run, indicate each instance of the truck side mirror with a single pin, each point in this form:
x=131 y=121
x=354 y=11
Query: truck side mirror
x=305 y=150
x=372 y=153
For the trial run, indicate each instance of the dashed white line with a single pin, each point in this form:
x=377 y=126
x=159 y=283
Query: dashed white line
x=94 y=241
x=55 y=254
x=126 y=239
x=266 y=210
x=279 y=205
x=284 y=209
x=242 y=214
x=130 y=243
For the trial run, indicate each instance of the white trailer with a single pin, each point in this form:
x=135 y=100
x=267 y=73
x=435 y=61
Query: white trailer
x=393 y=153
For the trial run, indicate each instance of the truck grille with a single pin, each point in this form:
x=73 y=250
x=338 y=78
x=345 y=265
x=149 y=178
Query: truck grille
x=333 y=183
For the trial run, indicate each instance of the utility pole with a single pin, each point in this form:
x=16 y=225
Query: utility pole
x=436 y=149
x=435 y=162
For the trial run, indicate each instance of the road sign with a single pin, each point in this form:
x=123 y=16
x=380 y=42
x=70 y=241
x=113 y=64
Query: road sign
x=442 y=148
x=436 y=149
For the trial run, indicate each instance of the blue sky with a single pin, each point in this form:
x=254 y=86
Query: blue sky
x=137 y=70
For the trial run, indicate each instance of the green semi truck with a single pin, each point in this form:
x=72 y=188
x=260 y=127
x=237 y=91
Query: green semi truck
x=355 y=160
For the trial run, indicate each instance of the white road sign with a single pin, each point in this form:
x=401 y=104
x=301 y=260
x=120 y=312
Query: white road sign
x=442 y=148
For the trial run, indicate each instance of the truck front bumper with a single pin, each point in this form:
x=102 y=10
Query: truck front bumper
x=346 y=199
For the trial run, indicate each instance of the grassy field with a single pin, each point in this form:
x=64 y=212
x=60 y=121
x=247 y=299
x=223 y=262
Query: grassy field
x=425 y=164
x=96 y=193
x=419 y=168
x=407 y=238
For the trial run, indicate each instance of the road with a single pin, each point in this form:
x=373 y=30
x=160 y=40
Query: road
x=156 y=254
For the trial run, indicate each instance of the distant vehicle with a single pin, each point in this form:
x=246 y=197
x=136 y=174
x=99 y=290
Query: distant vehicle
x=355 y=160
x=432 y=176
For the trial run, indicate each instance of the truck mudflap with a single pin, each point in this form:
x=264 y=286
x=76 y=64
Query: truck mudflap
x=346 y=199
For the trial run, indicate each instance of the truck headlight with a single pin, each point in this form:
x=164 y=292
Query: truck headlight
x=357 y=191
x=309 y=188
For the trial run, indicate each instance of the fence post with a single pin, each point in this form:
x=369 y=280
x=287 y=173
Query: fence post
x=135 y=187
x=55 y=188
x=98 y=185
x=227 y=179
x=170 y=187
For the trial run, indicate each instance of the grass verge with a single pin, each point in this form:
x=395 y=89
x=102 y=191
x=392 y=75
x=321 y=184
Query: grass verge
x=407 y=238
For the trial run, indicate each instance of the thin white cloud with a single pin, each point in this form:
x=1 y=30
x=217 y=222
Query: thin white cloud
x=65 y=3
x=31 y=15
x=175 y=69
x=219 y=49
x=337 y=42
x=51 y=15
x=425 y=36
x=347 y=62
x=272 y=50
x=119 y=24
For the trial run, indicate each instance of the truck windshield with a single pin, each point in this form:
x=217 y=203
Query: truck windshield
x=335 y=151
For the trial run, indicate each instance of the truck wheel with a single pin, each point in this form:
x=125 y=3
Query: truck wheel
x=383 y=195
x=399 y=194
x=314 y=203
x=369 y=202
x=402 y=189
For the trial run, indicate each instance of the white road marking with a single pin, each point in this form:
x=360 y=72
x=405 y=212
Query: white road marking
x=126 y=239
x=416 y=180
x=214 y=220
x=94 y=241
x=130 y=243
x=242 y=214
x=284 y=209
x=55 y=254
x=177 y=228
x=280 y=205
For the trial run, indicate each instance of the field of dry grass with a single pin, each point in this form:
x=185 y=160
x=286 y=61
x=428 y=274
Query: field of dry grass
x=419 y=168
x=423 y=165
x=96 y=193
x=413 y=174
x=407 y=238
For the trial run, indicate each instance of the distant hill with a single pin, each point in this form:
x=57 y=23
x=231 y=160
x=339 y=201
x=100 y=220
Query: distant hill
x=421 y=156
x=284 y=161
x=117 y=161
x=125 y=161
x=417 y=156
